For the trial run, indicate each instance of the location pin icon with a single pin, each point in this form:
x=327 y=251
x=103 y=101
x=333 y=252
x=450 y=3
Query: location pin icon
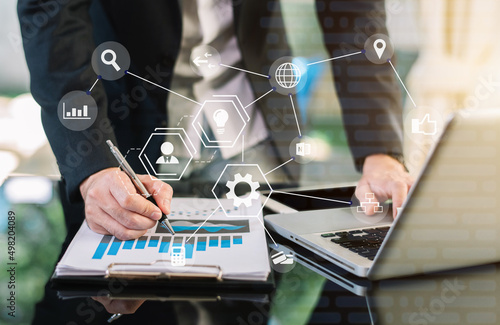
x=379 y=45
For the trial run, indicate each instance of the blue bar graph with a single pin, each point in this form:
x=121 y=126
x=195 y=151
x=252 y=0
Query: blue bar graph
x=237 y=240
x=141 y=242
x=165 y=243
x=213 y=242
x=189 y=247
x=202 y=244
x=178 y=241
x=183 y=226
x=110 y=245
x=101 y=248
x=225 y=242
x=115 y=246
x=128 y=244
x=153 y=241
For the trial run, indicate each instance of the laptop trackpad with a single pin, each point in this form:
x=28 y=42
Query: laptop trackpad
x=325 y=221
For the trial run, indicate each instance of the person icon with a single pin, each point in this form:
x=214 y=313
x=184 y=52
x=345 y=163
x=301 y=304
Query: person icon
x=166 y=149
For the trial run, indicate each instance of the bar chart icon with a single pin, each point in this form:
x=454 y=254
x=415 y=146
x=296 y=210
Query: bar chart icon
x=77 y=110
x=76 y=113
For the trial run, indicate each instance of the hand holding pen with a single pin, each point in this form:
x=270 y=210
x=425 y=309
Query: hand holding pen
x=138 y=184
x=113 y=205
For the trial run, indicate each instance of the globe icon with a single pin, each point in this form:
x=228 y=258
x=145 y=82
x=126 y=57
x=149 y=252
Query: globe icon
x=288 y=75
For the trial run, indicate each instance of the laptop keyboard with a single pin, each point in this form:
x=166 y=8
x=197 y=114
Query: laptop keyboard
x=364 y=242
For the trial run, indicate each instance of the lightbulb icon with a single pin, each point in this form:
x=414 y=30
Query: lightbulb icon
x=220 y=118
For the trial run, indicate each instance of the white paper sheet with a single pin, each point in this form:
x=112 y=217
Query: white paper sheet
x=237 y=244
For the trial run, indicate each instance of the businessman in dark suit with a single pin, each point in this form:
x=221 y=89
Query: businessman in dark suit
x=58 y=51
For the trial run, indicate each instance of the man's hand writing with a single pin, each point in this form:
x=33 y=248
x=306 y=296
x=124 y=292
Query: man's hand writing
x=113 y=206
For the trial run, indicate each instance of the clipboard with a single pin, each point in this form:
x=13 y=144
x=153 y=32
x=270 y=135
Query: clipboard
x=113 y=272
x=226 y=248
x=162 y=285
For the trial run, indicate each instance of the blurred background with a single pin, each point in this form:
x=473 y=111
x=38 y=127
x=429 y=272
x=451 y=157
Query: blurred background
x=447 y=57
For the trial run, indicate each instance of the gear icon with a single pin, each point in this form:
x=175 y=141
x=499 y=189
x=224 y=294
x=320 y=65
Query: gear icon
x=247 y=201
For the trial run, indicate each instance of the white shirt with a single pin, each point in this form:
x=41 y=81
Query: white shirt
x=210 y=22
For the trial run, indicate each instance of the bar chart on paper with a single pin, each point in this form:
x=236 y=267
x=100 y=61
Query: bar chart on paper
x=207 y=235
x=211 y=234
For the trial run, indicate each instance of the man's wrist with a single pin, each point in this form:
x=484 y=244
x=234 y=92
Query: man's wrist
x=84 y=185
x=384 y=159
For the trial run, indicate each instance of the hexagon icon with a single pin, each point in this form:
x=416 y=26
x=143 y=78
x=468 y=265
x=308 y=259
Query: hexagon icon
x=168 y=166
x=238 y=187
x=220 y=121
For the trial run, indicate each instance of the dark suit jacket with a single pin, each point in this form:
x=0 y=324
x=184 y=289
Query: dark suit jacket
x=59 y=37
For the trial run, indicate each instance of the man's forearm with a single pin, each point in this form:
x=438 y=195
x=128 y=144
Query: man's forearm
x=58 y=53
x=369 y=94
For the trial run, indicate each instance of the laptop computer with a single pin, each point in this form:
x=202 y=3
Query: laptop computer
x=464 y=296
x=451 y=218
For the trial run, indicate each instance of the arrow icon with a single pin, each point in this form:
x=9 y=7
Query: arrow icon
x=210 y=66
x=197 y=61
x=207 y=55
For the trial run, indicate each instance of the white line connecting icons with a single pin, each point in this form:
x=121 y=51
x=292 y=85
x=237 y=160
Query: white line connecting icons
x=287 y=76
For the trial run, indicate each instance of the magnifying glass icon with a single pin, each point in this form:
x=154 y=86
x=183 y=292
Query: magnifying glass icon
x=112 y=61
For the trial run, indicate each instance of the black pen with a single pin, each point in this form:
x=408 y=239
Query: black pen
x=138 y=184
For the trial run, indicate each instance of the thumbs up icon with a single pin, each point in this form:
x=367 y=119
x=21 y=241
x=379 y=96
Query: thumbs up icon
x=425 y=127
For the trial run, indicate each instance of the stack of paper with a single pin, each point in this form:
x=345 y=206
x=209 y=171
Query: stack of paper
x=205 y=237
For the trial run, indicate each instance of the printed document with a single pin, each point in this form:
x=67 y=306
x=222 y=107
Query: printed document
x=205 y=239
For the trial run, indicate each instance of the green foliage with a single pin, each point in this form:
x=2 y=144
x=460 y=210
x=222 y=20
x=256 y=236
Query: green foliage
x=40 y=231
